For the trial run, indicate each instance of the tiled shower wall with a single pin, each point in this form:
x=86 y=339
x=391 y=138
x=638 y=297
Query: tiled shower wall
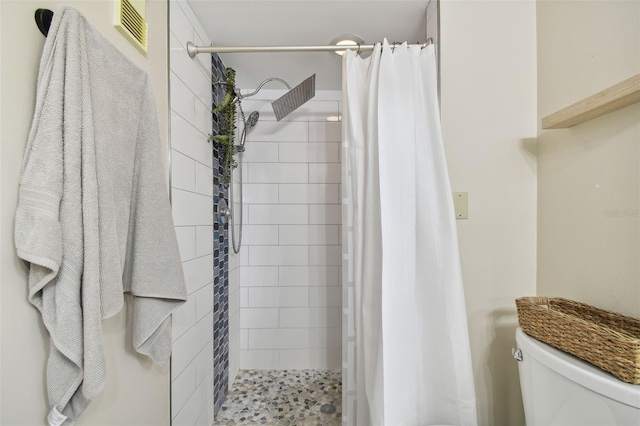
x=234 y=291
x=220 y=252
x=290 y=295
x=192 y=376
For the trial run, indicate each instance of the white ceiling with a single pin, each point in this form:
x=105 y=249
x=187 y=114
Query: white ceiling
x=303 y=22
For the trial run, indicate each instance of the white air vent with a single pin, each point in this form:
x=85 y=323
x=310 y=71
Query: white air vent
x=129 y=20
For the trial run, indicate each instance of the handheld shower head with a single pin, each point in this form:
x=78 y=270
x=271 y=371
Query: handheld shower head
x=252 y=120
x=249 y=124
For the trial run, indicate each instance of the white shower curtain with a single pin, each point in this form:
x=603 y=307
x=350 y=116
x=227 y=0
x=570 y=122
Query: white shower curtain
x=411 y=345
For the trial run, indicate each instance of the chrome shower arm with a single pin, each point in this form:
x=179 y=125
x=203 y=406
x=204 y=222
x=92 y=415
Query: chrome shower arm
x=240 y=96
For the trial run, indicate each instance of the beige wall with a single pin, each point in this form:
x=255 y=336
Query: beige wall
x=137 y=391
x=488 y=61
x=593 y=168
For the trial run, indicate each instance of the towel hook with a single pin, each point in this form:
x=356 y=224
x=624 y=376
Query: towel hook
x=43 y=20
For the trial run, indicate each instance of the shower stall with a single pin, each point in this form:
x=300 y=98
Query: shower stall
x=262 y=328
x=263 y=338
x=286 y=356
x=283 y=334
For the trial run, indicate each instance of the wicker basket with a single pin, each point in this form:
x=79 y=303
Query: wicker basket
x=608 y=340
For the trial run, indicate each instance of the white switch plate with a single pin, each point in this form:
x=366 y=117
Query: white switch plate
x=461 y=205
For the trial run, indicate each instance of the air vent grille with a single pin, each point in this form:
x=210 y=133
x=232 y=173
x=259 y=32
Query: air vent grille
x=132 y=24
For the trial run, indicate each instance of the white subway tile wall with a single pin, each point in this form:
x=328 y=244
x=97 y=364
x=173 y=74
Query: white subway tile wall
x=192 y=188
x=235 y=261
x=290 y=290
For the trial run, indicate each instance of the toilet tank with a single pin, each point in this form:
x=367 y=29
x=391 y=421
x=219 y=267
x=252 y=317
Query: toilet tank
x=560 y=389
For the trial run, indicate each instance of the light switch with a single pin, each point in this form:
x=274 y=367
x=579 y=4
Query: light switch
x=461 y=205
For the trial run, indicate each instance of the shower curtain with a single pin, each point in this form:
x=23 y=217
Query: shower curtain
x=406 y=328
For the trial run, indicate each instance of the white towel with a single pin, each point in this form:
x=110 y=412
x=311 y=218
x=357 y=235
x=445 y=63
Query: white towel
x=93 y=218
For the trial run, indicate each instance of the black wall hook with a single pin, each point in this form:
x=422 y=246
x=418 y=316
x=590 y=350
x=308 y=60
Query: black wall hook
x=43 y=20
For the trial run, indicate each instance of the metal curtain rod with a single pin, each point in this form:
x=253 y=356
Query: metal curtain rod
x=194 y=50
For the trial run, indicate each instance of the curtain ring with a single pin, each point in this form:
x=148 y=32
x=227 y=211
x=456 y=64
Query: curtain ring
x=358 y=52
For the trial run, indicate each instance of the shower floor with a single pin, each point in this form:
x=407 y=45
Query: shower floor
x=283 y=397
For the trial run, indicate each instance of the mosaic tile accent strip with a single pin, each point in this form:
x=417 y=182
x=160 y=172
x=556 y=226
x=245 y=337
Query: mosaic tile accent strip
x=220 y=255
x=283 y=398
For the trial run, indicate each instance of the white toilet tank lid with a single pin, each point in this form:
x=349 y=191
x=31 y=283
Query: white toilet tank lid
x=579 y=371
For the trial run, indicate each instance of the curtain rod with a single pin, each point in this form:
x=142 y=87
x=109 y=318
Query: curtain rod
x=194 y=50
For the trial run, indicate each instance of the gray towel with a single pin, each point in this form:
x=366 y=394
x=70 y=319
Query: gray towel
x=93 y=219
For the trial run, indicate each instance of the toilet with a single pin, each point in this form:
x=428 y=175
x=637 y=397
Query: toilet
x=560 y=389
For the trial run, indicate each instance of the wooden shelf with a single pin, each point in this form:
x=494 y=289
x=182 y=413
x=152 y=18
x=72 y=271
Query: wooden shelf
x=611 y=99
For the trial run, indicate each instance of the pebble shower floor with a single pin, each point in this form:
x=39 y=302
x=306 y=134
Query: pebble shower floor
x=283 y=397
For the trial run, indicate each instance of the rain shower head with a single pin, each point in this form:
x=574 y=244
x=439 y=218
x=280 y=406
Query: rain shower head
x=294 y=98
x=290 y=101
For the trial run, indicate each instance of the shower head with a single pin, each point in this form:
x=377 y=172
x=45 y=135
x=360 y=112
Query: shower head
x=290 y=101
x=252 y=120
x=294 y=98
x=249 y=124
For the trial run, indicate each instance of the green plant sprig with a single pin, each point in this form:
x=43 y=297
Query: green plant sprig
x=226 y=139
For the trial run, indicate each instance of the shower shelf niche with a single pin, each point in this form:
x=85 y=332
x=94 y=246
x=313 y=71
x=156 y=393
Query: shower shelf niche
x=611 y=99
